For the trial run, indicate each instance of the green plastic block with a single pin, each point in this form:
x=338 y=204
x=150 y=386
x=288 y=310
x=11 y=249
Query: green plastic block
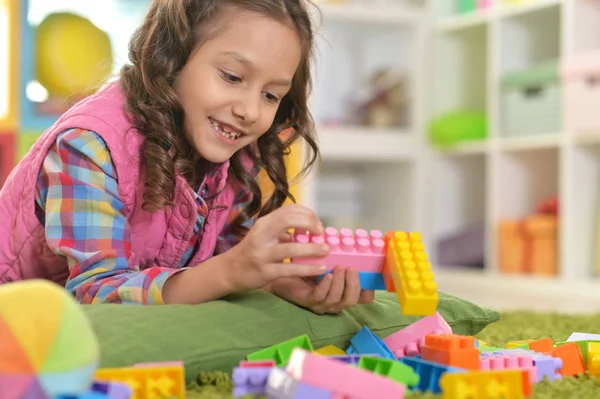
x=483 y=349
x=391 y=369
x=583 y=348
x=282 y=352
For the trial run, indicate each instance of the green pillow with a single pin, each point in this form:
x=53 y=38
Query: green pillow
x=217 y=335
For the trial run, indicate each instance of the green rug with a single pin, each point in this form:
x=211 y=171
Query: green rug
x=511 y=327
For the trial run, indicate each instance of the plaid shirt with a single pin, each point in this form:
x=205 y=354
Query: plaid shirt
x=78 y=203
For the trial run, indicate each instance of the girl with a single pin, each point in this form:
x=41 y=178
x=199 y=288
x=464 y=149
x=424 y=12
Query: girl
x=146 y=192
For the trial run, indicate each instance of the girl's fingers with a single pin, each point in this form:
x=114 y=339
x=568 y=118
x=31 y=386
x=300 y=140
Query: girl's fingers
x=321 y=290
x=337 y=288
x=366 y=297
x=297 y=250
x=275 y=271
x=352 y=289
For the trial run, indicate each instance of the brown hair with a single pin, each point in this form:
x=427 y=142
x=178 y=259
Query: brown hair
x=158 y=51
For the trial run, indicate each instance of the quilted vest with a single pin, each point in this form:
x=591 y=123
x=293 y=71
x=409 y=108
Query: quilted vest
x=158 y=238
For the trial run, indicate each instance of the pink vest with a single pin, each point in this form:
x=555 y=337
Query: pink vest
x=158 y=238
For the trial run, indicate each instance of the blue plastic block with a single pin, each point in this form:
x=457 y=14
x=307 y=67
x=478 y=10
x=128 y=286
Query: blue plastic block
x=366 y=342
x=368 y=280
x=429 y=373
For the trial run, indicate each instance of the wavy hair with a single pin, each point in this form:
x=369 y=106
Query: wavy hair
x=158 y=51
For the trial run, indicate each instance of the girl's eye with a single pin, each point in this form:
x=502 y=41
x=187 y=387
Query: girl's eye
x=272 y=98
x=230 y=78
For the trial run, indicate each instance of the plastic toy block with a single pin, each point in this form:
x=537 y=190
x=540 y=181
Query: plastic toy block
x=544 y=345
x=408 y=341
x=495 y=384
x=515 y=361
x=366 y=342
x=359 y=249
x=87 y=395
x=281 y=386
x=547 y=366
x=583 y=345
x=281 y=352
x=429 y=373
x=523 y=344
x=367 y=280
x=257 y=363
x=352 y=359
x=113 y=390
x=593 y=359
x=411 y=274
x=488 y=349
x=391 y=369
x=7 y=155
x=148 y=383
x=342 y=379
x=250 y=380
x=453 y=350
x=571 y=357
x=330 y=350
x=579 y=336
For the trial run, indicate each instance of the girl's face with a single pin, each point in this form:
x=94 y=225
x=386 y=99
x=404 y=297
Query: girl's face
x=232 y=86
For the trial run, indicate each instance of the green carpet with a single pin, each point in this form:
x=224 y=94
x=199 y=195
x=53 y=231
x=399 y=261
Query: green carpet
x=511 y=327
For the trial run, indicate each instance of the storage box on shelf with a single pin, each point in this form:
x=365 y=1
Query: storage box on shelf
x=531 y=101
x=581 y=84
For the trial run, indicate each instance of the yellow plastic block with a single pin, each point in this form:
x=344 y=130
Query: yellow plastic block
x=593 y=359
x=412 y=275
x=148 y=382
x=494 y=384
x=330 y=350
x=516 y=344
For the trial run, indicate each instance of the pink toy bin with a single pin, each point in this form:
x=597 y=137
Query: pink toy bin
x=581 y=90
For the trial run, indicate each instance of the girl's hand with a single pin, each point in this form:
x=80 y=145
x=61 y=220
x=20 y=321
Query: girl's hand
x=337 y=291
x=259 y=258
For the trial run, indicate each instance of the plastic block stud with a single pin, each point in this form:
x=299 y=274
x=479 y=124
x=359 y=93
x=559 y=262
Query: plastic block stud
x=408 y=265
x=391 y=369
x=490 y=361
x=453 y=350
x=360 y=249
x=495 y=384
x=281 y=352
x=408 y=341
x=250 y=380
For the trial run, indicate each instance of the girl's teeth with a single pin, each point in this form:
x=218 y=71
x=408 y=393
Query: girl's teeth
x=224 y=132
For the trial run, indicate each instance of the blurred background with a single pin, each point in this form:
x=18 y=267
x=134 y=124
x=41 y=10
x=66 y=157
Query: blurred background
x=473 y=122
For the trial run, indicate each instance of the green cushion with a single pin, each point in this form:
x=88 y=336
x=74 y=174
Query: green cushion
x=217 y=335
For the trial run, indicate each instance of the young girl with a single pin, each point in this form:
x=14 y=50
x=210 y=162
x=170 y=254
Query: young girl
x=146 y=192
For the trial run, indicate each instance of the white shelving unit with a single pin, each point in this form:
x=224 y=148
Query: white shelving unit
x=506 y=177
x=370 y=177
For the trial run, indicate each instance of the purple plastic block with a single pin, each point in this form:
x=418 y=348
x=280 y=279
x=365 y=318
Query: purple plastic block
x=352 y=359
x=281 y=386
x=547 y=366
x=113 y=390
x=250 y=380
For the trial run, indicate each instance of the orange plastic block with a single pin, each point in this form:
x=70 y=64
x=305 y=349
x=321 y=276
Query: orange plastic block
x=387 y=274
x=452 y=350
x=148 y=382
x=571 y=358
x=496 y=384
x=544 y=345
x=411 y=273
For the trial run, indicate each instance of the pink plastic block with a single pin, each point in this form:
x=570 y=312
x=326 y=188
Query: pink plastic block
x=344 y=380
x=504 y=362
x=257 y=363
x=408 y=341
x=361 y=249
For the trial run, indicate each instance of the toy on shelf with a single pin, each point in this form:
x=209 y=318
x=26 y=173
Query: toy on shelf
x=530 y=245
x=457 y=127
x=396 y=262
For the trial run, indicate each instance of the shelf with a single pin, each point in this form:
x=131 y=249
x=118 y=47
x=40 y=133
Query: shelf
x=466 y=148
x=529 y=142
x=527 y=7
x=361 y=13
x=586 y=29
x=365 y=144
x=463 y=21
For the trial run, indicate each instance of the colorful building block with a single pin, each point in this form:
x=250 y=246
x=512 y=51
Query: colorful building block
x=571 y=358
x=148 y=382
x=257 y=363
x=593 y=359
x=547 y=366
x=359 y=249
x=112 y=390
x=367 y=280
x=429 y=373
x=280 y=385
x=491 y=361
x=351 y=359
x=342 y=379
x=407 y=263
x=250 y=380
x=452 y=350
x=365 y=342
x=281 y=352
x=494 y=384
x=391 y=369
x=330 y=350
x=408 y=341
